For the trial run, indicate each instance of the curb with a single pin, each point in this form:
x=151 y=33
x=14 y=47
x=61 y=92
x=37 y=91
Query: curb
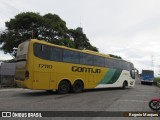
x=6 y=86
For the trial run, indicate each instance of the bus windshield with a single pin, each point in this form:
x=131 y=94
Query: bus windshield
x=147 y=72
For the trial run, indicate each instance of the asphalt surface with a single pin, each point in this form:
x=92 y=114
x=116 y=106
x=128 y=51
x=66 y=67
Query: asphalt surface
x=130 y=99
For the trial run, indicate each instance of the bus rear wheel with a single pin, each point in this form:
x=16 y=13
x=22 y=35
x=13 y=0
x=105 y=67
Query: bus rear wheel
x=63 y=87
x=78 y=86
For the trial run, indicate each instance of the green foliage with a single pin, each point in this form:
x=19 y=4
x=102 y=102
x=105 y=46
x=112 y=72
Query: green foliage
x=115 y=56
x=49 y=27
x=80 y=40
x=157 y=79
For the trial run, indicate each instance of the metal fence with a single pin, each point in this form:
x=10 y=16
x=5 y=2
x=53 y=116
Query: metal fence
x=7 y=72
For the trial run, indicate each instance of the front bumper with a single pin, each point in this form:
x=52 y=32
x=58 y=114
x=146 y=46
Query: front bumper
x=149 y=81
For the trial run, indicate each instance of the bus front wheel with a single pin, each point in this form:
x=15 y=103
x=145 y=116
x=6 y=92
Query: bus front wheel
x=125 y=84
x=63 y=87
x=78 y=86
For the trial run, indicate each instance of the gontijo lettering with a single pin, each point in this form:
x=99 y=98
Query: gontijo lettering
x=85 y=69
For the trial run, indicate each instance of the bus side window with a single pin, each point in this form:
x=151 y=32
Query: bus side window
x=56 y=54
x=124 y=65
x=89 y=59
x=131 y=66
x=46 y=53
x=82 y=58
x=42 y=48
x=108 y=63
x=99 y=61
x=118 y=64
x=37 y=50
x=42 y=51
x=113 y=63
x=70 y=56
x=86 y=59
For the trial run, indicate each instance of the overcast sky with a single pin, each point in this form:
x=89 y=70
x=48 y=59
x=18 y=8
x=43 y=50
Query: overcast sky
x=127 y=28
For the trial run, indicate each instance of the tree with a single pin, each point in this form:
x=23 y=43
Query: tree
x=19 y=29
x=49 y=27
x=115 y=56
x=80 y=40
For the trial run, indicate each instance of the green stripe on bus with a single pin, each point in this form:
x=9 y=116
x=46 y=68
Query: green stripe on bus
x=108 y=76
x=115 y=76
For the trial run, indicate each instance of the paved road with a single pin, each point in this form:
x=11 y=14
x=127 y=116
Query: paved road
x=130 y=99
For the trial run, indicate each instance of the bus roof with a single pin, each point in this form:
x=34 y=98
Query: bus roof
x=147 y=70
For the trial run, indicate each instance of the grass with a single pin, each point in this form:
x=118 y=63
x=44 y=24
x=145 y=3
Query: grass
x=157 y=80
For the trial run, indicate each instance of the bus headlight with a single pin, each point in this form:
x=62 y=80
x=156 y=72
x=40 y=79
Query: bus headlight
x=131 y=83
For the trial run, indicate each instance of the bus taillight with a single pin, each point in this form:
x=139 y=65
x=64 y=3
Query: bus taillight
x=26 y=74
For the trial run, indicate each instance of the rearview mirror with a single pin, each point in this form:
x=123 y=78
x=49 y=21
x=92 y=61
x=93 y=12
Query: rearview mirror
x=132 y=73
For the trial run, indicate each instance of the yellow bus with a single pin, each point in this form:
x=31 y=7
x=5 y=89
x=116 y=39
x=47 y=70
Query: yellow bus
x=44 y=66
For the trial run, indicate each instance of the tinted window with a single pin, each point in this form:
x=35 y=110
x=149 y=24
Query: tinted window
x=147 y=72
x=99 y=61
x=131 y=67
x=86 y=59
x=89 y=59
x=70 y=56
x=42 y=51
x=125 y=65
x=56 y=54
x=109 y=63
x=48 y=52
x=37 y=50
x=121 y=65
x=83 y=58
x=117 y=64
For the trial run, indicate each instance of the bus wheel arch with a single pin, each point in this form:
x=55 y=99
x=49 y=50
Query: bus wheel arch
x=77 y=86
x=64 y=86
x=125 y=84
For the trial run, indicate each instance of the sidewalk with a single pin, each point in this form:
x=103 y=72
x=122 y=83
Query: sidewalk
x=6 y=87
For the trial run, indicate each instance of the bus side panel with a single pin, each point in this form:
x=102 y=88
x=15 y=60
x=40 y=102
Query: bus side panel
x=41 y=75
x=91 y=81
x=41 y=80
x=53 y=81
x=116 y=79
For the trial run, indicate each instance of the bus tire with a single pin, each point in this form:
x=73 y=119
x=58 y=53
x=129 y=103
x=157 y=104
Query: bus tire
x=77 y=86
x=63 y=87
x=125 y=84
